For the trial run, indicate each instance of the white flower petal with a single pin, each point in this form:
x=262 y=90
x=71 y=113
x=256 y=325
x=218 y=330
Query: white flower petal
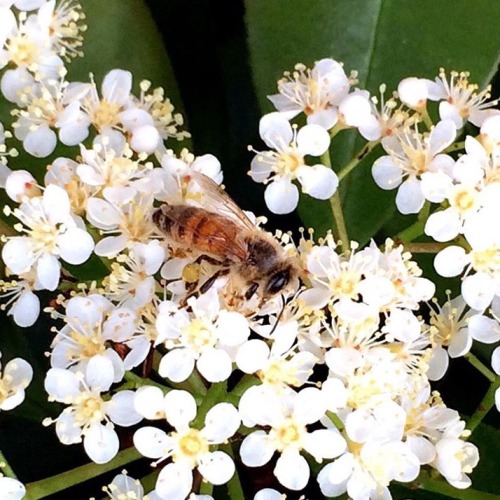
x=256 y=449
x=174 y=482
x=324 y=443
x=292 y=471
x=214 y=365
x=313 y=140
x=275 y=130
x=75 y=245
x=221 y=422
x=121 y=411
x=180 y=408
x=151 y=442
x=48 y=271
x=281 y=196
x=409 y=198
x=26 y=309
x=252 y=356
x=386 y=174
x=217 y=467
x=450 y=261
x=318 y=181
x=101 y=443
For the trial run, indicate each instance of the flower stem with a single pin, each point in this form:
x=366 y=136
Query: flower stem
x=485 y=406
x=54 y=484
x=6 y=468
x=478 y=365
x=410 y=233
x=206 y=488
x=245 y=383
x=336 y=206
x=425 y=247
x=216 y=394
x=425 y=482
x=140 y=381
x=234 y=488
x=457 y=146
x=351 y=165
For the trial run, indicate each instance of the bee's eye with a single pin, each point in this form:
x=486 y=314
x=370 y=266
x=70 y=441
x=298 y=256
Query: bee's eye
x=278 y=281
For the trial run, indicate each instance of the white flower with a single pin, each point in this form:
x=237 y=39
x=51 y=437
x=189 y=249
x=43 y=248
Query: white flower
x=281 y=365
x=317 y=92
x=450 y=329
x=133 y=285
x=288 y=419
x=123 y=487
x=416 y=166
x=16 y=376
x=91 y=323
x=51 y=232
x=208 y=165
x=83 y=418
x=131 y=219
x=188 y=447
x=26 y=46
x=367 y=472
x=460 y=100
x=24 y=304
x=202 y=338
x=455 y=458
x=286 y=163
x=45 y=106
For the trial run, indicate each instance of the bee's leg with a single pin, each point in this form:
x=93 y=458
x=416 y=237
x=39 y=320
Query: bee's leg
x=210 y=281
x=251 y=291
x=210 y=260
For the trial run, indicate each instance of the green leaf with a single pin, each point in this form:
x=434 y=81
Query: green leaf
x=385 y=41
x=485 y=475
x=122 y=34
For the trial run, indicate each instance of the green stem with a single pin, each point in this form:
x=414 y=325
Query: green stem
x=411 y=232
x=457 y=146
x=6 y=468
x=216 y=394
x=425 y=247
x=440 y=486
x=140 y=382
x=336 y=206
x=335 y=420
x=485 y=406
x=478 y=365
x=206 y=488
x=425 y=116
x=60 y=482
x=351 y=165
x=245 y=383
x=234 y=488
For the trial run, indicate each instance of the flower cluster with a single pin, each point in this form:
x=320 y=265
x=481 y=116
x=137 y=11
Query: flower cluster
x=252 y=349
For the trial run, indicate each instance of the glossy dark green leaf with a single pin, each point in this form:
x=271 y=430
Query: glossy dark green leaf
x=385 y=41
x=122 y=34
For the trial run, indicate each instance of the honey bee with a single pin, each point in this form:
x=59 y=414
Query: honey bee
x=224 y=235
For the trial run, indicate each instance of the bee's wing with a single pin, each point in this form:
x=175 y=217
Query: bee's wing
x=211 y=234
x=215 y=199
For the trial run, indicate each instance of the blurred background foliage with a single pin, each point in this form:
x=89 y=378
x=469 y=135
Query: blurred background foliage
x=218 y=60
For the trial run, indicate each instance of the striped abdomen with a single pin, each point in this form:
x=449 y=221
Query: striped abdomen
x=201 y=230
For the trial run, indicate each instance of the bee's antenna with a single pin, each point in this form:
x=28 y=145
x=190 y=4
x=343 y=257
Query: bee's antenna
x=280 y=314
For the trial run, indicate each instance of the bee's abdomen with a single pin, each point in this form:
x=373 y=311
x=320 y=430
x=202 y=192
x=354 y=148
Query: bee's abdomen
x=202 y=230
